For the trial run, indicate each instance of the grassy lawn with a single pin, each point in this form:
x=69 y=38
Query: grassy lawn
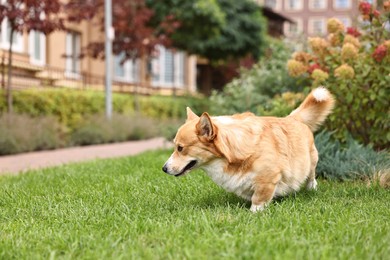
x=129 y=209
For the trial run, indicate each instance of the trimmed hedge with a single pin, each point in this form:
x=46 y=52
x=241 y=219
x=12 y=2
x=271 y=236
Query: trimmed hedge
x=70 y=107
x=22 y=133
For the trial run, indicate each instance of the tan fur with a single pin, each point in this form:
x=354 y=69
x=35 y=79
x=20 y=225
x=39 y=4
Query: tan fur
x=257 y=158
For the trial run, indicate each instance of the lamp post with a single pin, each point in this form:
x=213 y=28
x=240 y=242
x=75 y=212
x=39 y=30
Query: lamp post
x=109 y=35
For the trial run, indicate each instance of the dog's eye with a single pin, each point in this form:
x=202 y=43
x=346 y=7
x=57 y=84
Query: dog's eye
x=179 y=148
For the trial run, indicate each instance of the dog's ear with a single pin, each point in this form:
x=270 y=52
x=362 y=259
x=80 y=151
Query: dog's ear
x=205 y=129
x=191 y=115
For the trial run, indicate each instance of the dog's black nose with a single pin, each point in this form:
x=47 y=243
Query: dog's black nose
x=165 y=169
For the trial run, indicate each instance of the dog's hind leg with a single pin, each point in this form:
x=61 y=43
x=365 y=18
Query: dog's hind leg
x=311 y=180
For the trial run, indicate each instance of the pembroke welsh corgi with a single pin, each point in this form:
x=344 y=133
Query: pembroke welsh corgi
x=257 y=158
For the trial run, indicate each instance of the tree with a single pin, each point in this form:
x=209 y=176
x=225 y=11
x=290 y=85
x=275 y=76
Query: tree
x=216 y=29
x=28 y=15
x=134 y=35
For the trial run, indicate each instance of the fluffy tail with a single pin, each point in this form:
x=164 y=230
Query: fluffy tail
x=315 y=108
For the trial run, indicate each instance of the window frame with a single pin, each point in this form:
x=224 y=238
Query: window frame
x=17 y=46
x=278 y=5
x=313 y=8
x=342 y=8
x=287 y=6
x=70 y=57
x=158 y=63
x=311 y=25
x=341 y=18
x=42 y=39
x=299 y=26
x=131 y=69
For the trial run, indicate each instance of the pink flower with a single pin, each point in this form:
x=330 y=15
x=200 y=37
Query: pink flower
x=353 y=31
x=380 y=52
x=365 y=8
x=313 y=67
x=376 y=13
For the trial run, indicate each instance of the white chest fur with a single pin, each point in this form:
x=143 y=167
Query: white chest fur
x=239 y=184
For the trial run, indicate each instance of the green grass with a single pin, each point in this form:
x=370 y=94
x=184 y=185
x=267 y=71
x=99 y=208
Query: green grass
x=128 y=209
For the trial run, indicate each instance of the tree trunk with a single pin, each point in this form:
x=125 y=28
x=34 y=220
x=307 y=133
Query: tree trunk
x=9 y=86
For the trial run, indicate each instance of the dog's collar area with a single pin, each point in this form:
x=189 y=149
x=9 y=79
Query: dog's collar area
x=188 y=167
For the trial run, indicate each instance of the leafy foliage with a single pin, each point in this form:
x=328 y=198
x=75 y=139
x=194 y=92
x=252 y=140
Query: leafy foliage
x=75 y=118
x=71 y=107
x=348 y=161
x=45 y=132
x=134 y=35
x=198 y=20
x=42 y=133
x=216 y=29
x=253 y=90
x=38 y=15
x=355 y=66
x=97 y=129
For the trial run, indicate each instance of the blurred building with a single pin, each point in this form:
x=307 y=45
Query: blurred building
x=53 y=61
x=310 y=16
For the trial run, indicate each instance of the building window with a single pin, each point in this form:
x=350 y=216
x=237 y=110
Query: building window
x=273 y=4
x=318 y=5
x=37 y=48
x=293 y=5
x=317 y=26
x=127 y=71
x=346 y=21
x=168 y=68
x=72 y=65
x=293 y=29
x=5 y=37
x=342 y=4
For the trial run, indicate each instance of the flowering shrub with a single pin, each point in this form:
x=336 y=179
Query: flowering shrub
x=355 y=65
x=254 y=90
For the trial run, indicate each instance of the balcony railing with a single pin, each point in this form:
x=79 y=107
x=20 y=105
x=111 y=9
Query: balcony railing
x=26 y=75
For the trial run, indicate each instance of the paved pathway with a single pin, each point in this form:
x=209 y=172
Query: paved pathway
x=22 y=162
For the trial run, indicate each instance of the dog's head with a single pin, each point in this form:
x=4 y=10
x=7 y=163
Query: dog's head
x=194 y=145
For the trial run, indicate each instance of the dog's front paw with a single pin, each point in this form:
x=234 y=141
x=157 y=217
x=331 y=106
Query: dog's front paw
x=257 y=208
x=311 y=185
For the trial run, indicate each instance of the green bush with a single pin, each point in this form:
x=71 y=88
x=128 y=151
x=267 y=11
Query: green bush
x=348 y=161
x=20 y=133
x=66 y=117
x=254 y=88
x=169 y=127
x=355 y=66
x=96 y=129
x=168 y=107
x=281 y=105
x=70 y=107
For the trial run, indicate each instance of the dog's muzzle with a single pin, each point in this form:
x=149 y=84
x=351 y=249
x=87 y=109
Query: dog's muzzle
x=187 y=168
x=165 y=168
